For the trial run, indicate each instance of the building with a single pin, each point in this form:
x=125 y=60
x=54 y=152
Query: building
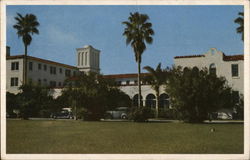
x=51 y=73
x=129 y=85
x=231 y=67
x=48 y=73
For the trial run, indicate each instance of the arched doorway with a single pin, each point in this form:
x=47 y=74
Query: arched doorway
x=164 y=101
x=212 y=69
x=135 y=100
x=150 y=101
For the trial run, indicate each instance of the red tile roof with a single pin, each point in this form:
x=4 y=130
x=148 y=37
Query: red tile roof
x=131 y=75
x=233 y=57
x=225 y=58
x=190 y=56
x=41 y=60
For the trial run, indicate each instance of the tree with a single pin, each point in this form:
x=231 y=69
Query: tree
x=34 y=101
x=195 y=93
x=156 y=79
x=91 y=95
x=240 y=21
x=12 y=103
x=138 y=31
x=26 y=26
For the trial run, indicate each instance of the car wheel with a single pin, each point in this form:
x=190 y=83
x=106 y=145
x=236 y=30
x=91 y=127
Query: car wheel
x=124 y=117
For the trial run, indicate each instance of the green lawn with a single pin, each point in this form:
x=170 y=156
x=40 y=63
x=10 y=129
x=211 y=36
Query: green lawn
x=122 y=137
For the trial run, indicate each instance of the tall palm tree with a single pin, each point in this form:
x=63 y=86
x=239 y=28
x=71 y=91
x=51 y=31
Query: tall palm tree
x=138 y=32
x=26 y=26
x=156 y=78
x=240 y=21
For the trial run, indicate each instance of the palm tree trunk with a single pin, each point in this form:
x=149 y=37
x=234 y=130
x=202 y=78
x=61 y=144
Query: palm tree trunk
x=157 y=103
x=25 y=65
x=139 y=84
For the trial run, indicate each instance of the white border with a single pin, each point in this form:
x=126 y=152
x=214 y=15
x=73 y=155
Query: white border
x=245 y=156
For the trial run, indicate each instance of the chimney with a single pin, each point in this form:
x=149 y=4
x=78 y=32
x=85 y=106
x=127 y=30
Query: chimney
x=7 y=51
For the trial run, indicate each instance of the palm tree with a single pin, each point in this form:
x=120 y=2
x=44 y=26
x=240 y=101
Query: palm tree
x=26 y=26
x=240 y=21
x=138 y=31
x=156 y=79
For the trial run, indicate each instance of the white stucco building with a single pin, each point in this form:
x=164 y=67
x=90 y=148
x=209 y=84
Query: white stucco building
x=51 y=73
x=46 y=72
x=231 y=67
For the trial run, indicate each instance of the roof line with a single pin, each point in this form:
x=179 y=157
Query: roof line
x=41 y=60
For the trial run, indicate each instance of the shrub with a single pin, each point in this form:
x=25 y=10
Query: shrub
x=141 y=114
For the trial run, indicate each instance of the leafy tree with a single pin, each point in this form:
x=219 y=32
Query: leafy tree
x=138 y=32
x=156 y=78
x=90 y=94
x=26 y=26
x=34 y=101
x=195 y=93
x=240 y=21
x=12 y=103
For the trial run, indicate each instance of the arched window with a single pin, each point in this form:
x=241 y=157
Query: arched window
x=150 y=101
x=164 y=101
x=212 y=69
x=135 y=100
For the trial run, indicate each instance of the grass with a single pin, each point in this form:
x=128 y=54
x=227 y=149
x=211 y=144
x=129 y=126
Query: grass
x=122 y=137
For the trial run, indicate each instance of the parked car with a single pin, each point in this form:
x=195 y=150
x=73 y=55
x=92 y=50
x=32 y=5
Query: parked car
x=224 y=116
x=64 y=114
x=118 y=113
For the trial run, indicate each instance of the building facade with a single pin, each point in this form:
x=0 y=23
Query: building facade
x=129 y=85
x=54 y=74
x=45 y=72
x=231 y=67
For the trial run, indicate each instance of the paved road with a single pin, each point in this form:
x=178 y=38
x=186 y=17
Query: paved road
x=150 y=120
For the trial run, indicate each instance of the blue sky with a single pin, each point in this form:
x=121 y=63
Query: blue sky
x=179 y=30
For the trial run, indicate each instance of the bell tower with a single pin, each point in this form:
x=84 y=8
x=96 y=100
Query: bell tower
x=88 y=59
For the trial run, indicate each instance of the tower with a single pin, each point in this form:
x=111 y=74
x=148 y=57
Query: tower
x=88 y=59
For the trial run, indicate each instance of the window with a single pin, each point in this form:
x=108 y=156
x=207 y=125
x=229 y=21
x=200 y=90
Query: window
x=59 y=84
x=235 y=70
x=127 y=82
x=39 y=66
x=67 y=72
x=60 y=70
x=14 y=81
x=30 y=66
x=45 y=67
x=52 y=70
x=74 y=73
x=15 y=66
x=212 y=69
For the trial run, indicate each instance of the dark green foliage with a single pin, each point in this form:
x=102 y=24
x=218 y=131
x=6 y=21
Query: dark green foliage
x=90 y=95
x=35 y=101
x=26 y=26
x=195 y=93
x=12 y=104
x=240 y=21
x=239 y=109
x=141 y=114
x=156 y=78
